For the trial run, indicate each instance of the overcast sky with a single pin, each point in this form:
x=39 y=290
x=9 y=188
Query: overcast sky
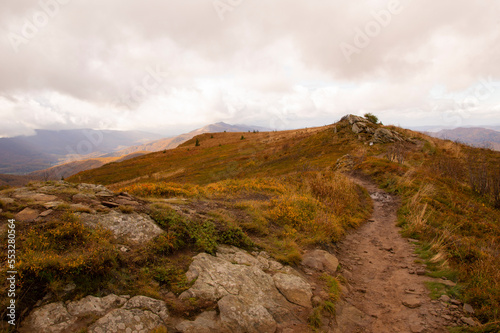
x=168 y=66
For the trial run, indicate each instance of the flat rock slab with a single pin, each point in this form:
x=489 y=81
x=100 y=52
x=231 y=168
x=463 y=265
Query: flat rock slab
x=131 y=228
x=27 y=214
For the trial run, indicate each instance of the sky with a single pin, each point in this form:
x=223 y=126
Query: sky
x=169 y=66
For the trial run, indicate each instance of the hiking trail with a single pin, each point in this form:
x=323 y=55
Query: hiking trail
x=386 y=291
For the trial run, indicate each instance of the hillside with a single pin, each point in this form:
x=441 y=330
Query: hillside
x=24 y=154
x=474 y=136
x=169 y=143
x=289 y=198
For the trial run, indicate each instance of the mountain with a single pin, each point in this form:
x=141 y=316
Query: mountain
x=474 y=136
x=24 y=154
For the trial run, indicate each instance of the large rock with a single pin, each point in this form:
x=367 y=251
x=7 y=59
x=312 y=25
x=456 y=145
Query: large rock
x=113 y=314
x=51 y=318
x=239 y=314
x=383 y=135
x=320 y=260
x=354 y=119
x=131 y=228
x=295 y=289
x=247 y=297
x=97 y=306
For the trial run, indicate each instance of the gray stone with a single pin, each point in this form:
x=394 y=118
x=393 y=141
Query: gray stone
x=295 y=289
x=154 y=305
x=383 y=135
x=445 y=298
x=205 y=323
x=132 y=228
x=50 y=318
x=468 y=308
x=248 y=298
x=469 y=321
x=130 y=321
x=92 y=305
x=239 y=315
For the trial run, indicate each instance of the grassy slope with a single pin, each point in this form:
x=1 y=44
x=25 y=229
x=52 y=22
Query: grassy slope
x=458 y=226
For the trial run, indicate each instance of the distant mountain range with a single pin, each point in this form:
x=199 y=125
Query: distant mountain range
x=25 y=154
x=474 y=136
x=42 y=156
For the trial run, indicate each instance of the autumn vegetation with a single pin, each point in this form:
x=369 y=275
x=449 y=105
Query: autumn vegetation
x=284 y=192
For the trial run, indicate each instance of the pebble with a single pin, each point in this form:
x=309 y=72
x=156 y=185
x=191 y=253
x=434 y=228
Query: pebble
x=445 y=298
x=468 y=308
x=412 y=303
x=469 y=321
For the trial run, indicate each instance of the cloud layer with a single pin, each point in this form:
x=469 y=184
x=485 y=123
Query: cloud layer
x=167 y=66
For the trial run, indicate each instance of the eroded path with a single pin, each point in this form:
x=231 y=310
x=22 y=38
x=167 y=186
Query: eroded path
x=386 y=290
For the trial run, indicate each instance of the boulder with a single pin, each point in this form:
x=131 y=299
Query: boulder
x=238 y=314
x=247 y=297
x=132 y=228
x=50 y=318
x=320 y=260
x=383 y=135
x=352 y=119
x=295 y=289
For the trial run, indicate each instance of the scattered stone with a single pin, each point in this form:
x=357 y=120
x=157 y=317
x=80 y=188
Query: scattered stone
x=455 y=302
x=469 y=321
x=445 y=298
x=468 y=308
x=27 y=215
x=348 y=316
x=420 y=271
x=110 y=204
x=83 y=198
x=52 y=204
x=105 y=194
x=320 y=260
x=444 y=316
x=412 y=303
x=46 y=213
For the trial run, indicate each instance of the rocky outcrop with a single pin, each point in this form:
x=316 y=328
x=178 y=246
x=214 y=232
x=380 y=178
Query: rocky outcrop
x=253 y=293
x=130 y=228
x=113 y=313
x=376 y=134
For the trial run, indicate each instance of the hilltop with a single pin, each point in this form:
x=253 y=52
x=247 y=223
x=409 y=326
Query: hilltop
x=271 y=209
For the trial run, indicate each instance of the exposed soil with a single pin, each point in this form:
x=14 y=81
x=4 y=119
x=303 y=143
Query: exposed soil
x=386 y=290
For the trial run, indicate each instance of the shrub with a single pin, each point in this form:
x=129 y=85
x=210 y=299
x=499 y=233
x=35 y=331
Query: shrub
x=371 y=117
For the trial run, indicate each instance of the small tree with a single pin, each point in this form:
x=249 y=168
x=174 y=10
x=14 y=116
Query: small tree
x=197 y=143
x=371 y=117
x=242 y=137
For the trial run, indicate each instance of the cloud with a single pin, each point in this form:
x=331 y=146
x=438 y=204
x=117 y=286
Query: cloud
x=85 y=61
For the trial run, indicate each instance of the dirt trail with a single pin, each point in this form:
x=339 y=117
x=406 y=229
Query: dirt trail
x=386 y=291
